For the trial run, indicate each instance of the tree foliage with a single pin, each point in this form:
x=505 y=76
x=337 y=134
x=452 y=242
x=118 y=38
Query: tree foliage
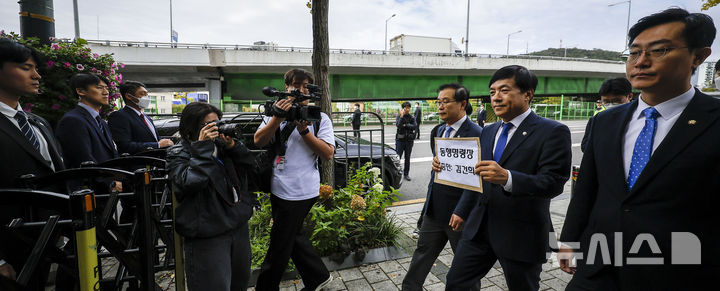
x=596 y=54
x=707 y=4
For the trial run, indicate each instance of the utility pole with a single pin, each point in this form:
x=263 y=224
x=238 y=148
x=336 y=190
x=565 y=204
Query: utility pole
x=467 y=32
x=37 y=19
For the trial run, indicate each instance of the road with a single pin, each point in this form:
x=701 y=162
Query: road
x=421 y=158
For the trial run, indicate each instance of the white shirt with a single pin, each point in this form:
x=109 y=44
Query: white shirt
x=147 y=120
x=669 y=113
x=300 y=179
x=9 y=112
x=516 y=123
x=455 y=126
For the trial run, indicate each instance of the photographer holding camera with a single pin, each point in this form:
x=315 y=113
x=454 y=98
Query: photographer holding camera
x=209 y=177
x=295 y=185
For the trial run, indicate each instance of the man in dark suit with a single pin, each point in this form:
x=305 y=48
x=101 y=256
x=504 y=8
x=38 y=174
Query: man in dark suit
x=446 y=208
x=83 y=134
x=482 y=115
x=356 y=120
x=613 y=92
x=651 y=171
x=418 y=119
x=131 y=129
x=27 y=142
x=525 y=163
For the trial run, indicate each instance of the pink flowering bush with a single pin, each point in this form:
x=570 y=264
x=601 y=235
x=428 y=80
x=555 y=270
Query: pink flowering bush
x=62 y=60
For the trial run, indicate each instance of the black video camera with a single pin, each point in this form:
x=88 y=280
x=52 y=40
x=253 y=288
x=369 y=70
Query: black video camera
x=230 y=128
x=297 y=111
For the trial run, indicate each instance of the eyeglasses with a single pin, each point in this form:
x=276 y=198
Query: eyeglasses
x=445 y=102
x=652 y=54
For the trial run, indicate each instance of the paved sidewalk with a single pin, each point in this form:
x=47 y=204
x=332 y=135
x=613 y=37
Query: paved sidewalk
x=388 y=275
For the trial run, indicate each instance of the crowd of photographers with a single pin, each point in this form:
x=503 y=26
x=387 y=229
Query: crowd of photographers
x=628 y=188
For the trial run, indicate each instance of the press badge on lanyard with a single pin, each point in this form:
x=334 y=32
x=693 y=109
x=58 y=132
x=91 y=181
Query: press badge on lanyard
x=280 y=163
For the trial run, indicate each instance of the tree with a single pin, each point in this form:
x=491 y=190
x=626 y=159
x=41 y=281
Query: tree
x=321 y=66
x=707 y=4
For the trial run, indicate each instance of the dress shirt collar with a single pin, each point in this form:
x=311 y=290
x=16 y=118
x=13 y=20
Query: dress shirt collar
x=520 y=118
x=133 y=109
x=669 y=108
x=9 y=111
x=92 y=111
x=456 y=126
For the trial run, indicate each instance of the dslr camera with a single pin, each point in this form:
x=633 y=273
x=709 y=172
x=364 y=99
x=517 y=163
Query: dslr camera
x=230 y=128
x=297 y=111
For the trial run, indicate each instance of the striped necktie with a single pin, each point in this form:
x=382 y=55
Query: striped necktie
x=26 y=129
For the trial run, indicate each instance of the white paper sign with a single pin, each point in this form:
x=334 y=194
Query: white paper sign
x=458 y=157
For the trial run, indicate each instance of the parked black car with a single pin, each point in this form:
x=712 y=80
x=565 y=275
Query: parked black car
x=349 y=151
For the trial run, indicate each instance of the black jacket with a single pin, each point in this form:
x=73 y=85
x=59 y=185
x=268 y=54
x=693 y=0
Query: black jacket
x=203 y=187
x=406 y=127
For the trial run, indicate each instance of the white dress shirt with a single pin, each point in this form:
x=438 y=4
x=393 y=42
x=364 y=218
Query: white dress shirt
x=516 y=123
x=147 y=121
x=455 y=126
x=669 y=113
x=9 y=112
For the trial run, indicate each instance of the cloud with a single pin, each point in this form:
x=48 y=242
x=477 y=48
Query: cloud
x=361 y=24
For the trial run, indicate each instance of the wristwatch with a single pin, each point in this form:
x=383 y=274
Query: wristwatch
x=304 y=132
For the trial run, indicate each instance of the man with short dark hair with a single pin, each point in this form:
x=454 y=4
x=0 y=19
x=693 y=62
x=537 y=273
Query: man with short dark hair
x=446 y=207
x=657 y=183
x=613 y=92
x=525 y=163
x=295 y=186
x=27 y=145
x=82 y=133
x=131 y=129
x=482 y=114
x=356 y=120
x=405 y=136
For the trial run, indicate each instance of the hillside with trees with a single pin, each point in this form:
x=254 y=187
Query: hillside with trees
x=597 y=54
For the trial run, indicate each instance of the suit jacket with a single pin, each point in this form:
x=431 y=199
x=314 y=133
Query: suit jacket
x=449 y=199
x=677 y=191
x=82 y=140
x=482 y=116
x=418 y=115
x=538 y=156
x=130 y=132
x=357 y=114
x=19 y=157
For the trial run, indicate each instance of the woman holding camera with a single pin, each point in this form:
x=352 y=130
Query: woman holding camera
x=208 y=171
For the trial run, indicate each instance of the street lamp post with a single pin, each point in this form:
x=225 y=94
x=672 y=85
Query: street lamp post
x=507 y=51
x=386 y=40
x=467 y=31
x=627 y=28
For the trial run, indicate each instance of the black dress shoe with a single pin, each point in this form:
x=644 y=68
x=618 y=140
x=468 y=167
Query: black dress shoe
x=408 y=178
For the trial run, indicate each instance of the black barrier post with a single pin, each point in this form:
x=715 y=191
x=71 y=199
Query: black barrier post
x=82 y=208
x=145 y=243
x=575 y=172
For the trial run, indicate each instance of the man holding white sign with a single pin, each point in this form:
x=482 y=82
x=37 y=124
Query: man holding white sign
x=446 y=207
x=525 y=163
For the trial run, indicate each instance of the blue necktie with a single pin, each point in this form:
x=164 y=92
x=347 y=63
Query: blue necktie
x=643 y=146
x=448 y=131
x=502 y=141
x=26 y=129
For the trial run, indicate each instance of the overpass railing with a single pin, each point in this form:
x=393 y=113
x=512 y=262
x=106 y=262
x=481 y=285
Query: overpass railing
x=274 y=48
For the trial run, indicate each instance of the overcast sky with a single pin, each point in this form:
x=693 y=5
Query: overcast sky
x=361 y=24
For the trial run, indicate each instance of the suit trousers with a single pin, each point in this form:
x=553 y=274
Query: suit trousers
x=404 y=148
x=434 y=235
x=289 y=240
x=356 y=128
x=477 y=257
x=219 y=263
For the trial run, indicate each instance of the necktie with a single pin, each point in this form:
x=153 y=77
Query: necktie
x=448 y=131
x=643 y=145
x=99 y=123
x=502 y=141
x=142 y=116
x=26 y=129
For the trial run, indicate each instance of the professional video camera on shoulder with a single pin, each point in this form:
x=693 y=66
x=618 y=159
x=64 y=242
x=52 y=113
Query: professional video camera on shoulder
x=297 y=111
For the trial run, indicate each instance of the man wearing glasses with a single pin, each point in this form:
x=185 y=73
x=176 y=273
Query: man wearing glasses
x=613 y=92
x=446 y=208
x=648 y=187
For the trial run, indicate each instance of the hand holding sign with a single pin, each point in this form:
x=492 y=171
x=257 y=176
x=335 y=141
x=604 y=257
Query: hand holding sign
x=492 y=172
x=455 y=162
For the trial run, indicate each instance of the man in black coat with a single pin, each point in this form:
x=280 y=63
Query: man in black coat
x=356 y=120
x=525 y=163
x=131 y=129
x=418 y=119
x=482 y=115
x=27 y=142
x=644 y=214
x=405 y=136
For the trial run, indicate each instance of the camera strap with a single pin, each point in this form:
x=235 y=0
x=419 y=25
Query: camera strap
x=284 y=136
